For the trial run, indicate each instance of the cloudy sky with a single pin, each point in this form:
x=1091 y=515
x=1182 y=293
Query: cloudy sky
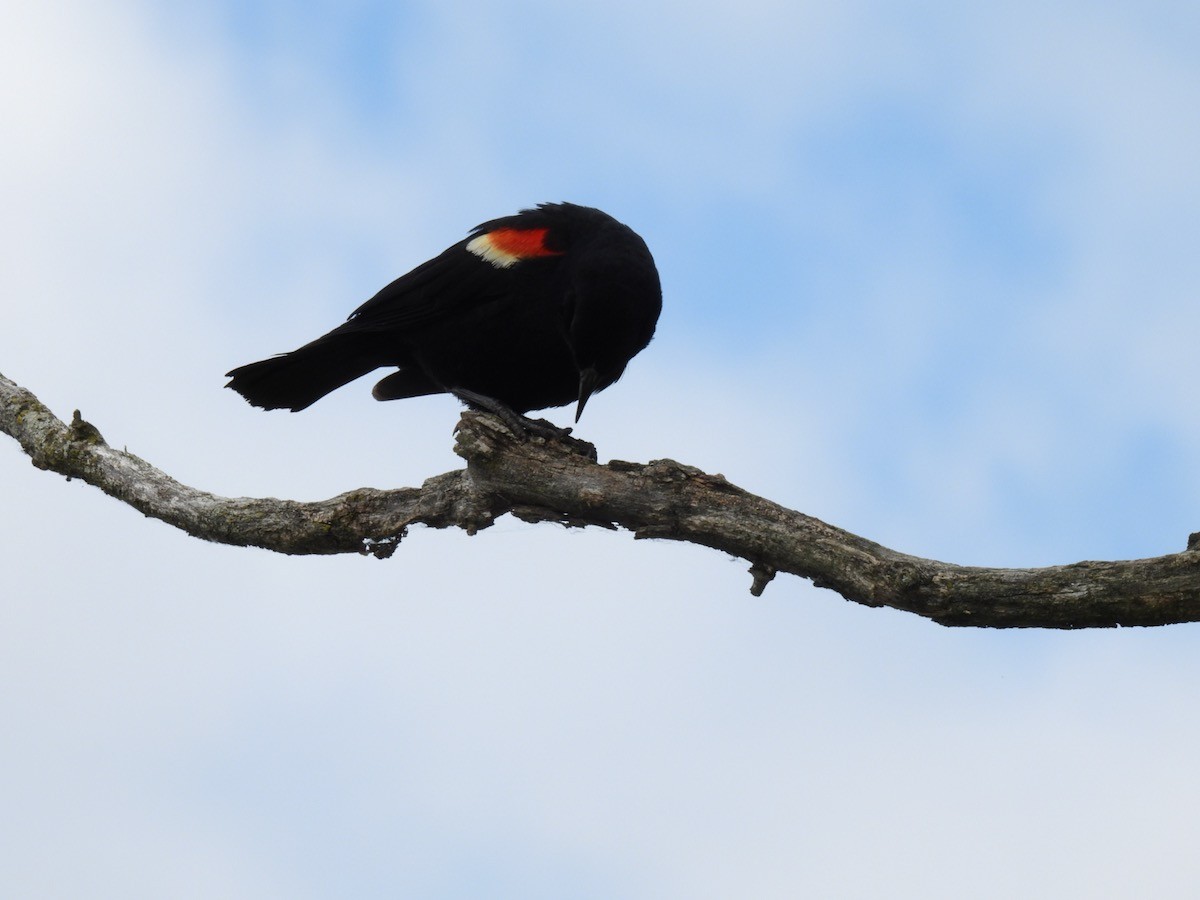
x=930 y=274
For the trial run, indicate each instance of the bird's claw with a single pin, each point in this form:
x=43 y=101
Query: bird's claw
x=522 y=427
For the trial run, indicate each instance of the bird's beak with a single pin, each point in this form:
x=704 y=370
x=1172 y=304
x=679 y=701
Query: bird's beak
x=588 y=380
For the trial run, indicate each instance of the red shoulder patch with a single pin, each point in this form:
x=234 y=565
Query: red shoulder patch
x=505 y=247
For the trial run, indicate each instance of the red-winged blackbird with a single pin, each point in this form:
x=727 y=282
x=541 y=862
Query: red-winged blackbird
x=534 y=310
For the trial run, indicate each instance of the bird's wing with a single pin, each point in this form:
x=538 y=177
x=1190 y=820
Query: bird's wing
x=429 y=293
x=473 y=272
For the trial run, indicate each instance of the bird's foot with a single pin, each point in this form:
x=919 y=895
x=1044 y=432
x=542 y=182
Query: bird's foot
x=521 y=426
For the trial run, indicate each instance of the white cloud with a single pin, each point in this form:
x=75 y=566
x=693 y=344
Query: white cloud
x=531 y=710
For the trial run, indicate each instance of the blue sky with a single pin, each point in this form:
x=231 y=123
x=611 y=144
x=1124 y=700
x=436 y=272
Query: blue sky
x=929 y=274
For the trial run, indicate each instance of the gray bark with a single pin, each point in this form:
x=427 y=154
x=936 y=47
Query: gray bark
x=560 y=481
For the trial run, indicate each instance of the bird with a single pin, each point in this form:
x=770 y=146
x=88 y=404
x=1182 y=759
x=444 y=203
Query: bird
x=535 y=310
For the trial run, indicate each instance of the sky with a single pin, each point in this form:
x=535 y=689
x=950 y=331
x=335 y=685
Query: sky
x=929 y=274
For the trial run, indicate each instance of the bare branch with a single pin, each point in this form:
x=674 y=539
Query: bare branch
x=540 y=481
x=362 y=521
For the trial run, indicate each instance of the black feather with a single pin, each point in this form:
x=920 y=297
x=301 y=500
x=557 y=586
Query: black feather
x=585 y=299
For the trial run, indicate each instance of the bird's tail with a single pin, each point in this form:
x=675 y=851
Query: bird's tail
x=299 y=379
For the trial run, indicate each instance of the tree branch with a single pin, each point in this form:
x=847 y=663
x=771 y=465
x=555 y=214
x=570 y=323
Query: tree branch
x=540 y=481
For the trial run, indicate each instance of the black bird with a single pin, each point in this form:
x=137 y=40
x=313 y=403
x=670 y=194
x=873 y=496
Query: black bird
x=530 y=311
